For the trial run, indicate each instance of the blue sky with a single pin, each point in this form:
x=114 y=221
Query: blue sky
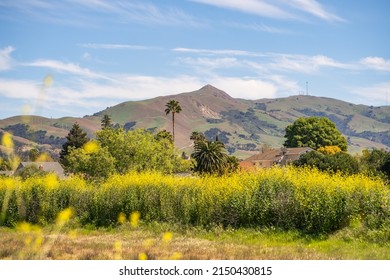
x=77 y=57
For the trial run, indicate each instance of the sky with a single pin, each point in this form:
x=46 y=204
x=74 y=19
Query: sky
x=77 y=57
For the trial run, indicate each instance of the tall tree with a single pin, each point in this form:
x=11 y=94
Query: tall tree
x=314 y=132
x=76 y=138
x=211 y=157
x=106 y=121
x=173 y=107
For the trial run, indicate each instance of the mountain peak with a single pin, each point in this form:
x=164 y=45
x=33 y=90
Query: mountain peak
x=213 y=91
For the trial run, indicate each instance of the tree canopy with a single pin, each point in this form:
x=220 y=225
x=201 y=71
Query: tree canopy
x=106 y=121
x=76 y=138
x=210 y=156
x=315 y=133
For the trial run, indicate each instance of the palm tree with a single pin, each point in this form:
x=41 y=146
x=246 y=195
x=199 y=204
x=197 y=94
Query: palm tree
x=173 y=107
x=197 y=136
x=211 y=157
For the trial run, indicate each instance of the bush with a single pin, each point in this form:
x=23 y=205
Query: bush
x=288 y=198
x=338 y=162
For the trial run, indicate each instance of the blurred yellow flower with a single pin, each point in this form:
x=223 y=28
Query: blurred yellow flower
x=134 y=218
x=64 y=216
x=122 y=218
x=142 y=256
x=167 y=237
x=91 y=147
x=48 y=80
x=7 y=141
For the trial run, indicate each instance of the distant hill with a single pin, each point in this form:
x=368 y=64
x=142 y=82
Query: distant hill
x=244 y=125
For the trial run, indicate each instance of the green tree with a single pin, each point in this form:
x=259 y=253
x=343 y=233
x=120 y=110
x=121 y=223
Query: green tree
x=33 y=154
x=173 y=107
x=76 y=138
x=314 y=132
x=163 y=134
x=339 y=162
x=197 y=136
x=376 y=162
x=93 y=164
x=211 y=157
x=106 y=121
x=138 y=150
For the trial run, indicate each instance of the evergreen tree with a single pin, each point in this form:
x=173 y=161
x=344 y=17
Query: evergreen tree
x=76 y=138
x=106 y=121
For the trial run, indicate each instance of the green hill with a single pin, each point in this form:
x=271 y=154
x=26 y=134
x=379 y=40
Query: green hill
x=244 y=125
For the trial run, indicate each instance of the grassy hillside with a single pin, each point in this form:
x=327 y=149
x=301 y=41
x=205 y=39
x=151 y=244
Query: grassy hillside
x=244 y=125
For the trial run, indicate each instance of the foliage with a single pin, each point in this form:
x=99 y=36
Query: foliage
x=76 y=138
x=376 y=162
x=138 y=150
x=106 y=121
x=339 y=162
x=33 y=154
x=24 y=130
x=303 y=199
x=329 y=150
x=173 y=107
x=29 y=172
x=314 y=132
x=163 y=134
x=5 y=164
x=92 y=161
x=210 y=156
x=197 y=136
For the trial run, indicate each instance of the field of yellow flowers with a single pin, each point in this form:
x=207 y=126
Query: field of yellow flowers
x=287 y=198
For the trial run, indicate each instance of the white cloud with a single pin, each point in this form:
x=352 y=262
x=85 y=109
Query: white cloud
x=5 y=58
x=81 y=12
x=247 y=88
x=314 y=8
x=117 y=46
x=305 y=64
x=19 y=89
x=206 y=63
x=70 y=68
x=260 y=27
x=377 y=94
x=257 y=7
x=278 y=9
x=217 y=52
x=376 y=63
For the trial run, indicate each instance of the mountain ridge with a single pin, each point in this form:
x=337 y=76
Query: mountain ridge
x=244 y=125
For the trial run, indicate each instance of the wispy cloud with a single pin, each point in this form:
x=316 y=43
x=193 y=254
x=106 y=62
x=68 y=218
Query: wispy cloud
x=257 y=7
x=5 y=58
x=305 y=64
x=314 y=8
x=285 y=9
x=376 y=63
x=70 y=68
x=89 y=12
x=259 y=27
x=117 y=46
x=217 y=52
x=378 y=94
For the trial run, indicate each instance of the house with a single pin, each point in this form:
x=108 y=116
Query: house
x=273 y=157
x=54 y=167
